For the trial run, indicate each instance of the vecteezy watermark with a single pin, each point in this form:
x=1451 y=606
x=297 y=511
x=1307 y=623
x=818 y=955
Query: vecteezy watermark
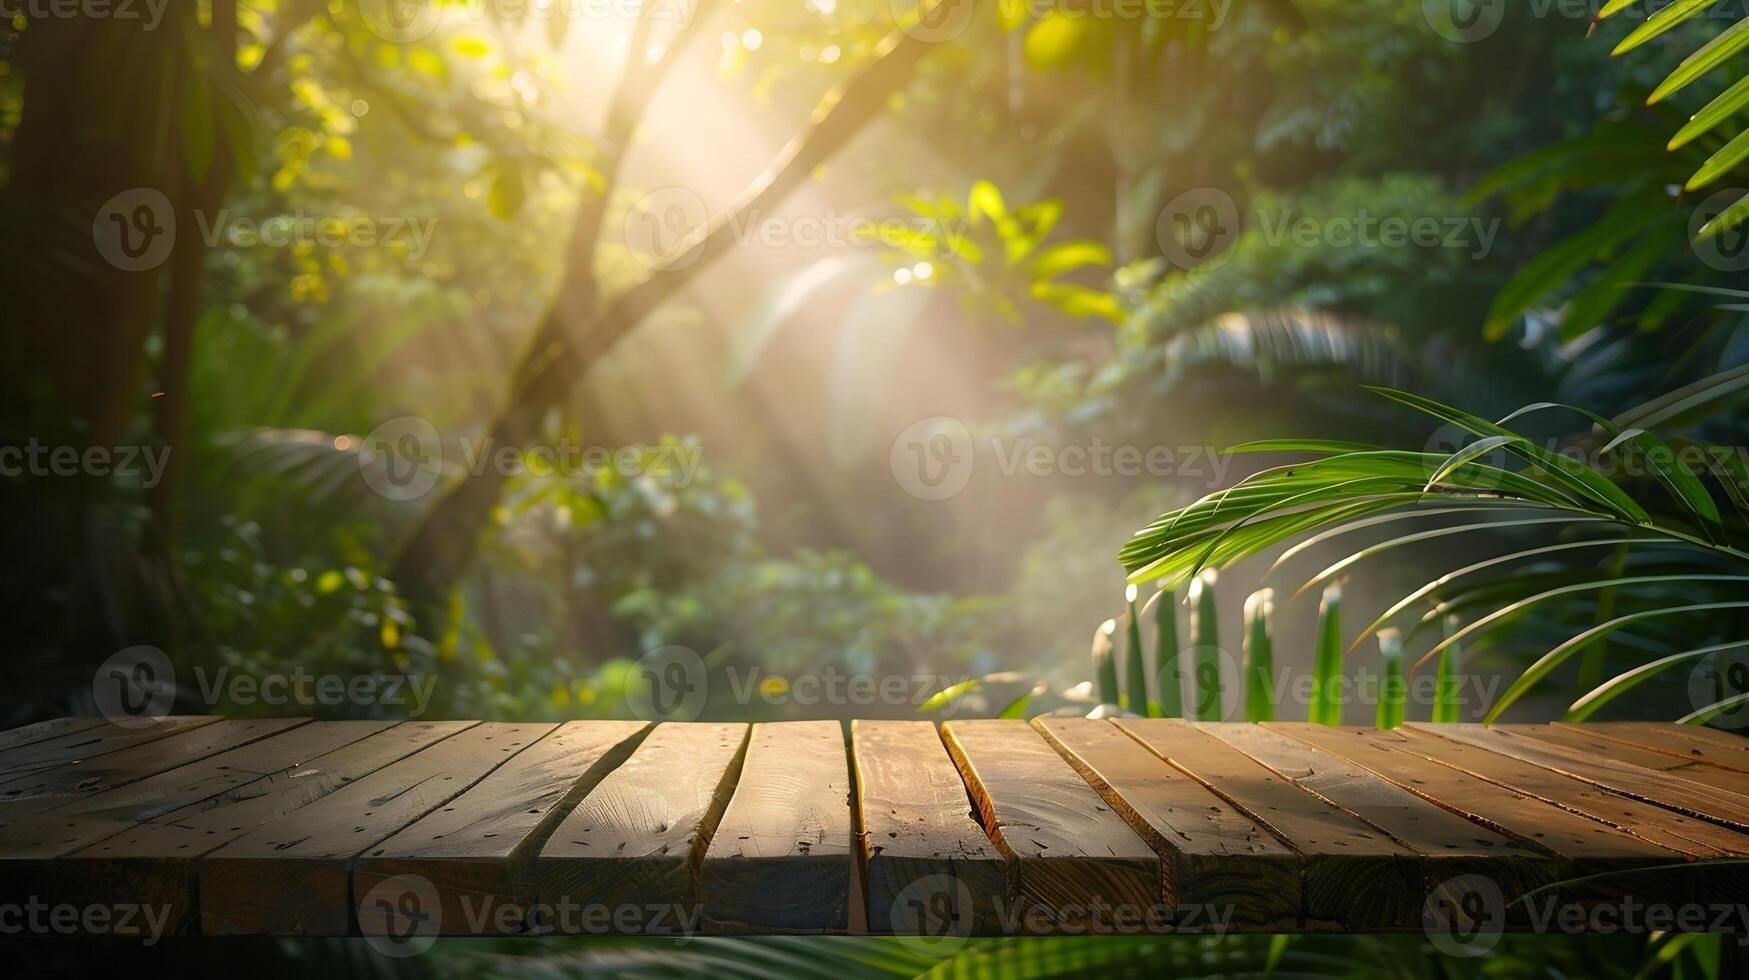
x=403 y=458
x=660 y=228
x=936 y=914
x=1726 y=250
x=40 y=460
x=1197 y=229
x=1623 y=457
x=1466 y=21
x=936 y=22
x=934 y=459
x=148 y=14
x=136 y=229
x=1466 y=915
x=406 y=21
x=674 y=683
x=137 y=687
x=403 y=915
x=1718 y=677
x=35 y=917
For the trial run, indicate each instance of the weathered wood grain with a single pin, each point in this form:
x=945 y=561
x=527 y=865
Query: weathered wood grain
x=290 y=876
x=155 y=861
x=1586 y=848
x=1447 y=844
x=43 y=730
x=781 y=859
x=49 y=787
x=81 y=743
x=1669 y=791
x=1354 y=877
x=1211 y=855
x=1593 y=746
x=478 y=850
x=930 y=867
x=1073 y=862
x=637 y=840
x=1722 y=747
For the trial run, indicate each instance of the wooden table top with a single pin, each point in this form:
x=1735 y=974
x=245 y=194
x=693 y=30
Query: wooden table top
x=1063 y=825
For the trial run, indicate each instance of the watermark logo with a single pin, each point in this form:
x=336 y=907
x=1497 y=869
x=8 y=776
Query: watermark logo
x=135 y=230
x=657 y=228
x=932 y=915
x=1464 y=21
x=401 y=916
x=402 y=458
x=668 y=684
x=1464 y=916
x=133 y=920
x=930 y=21
x=135 y=687
x=1721 y=676
x=400 y=21
x=932 y=459
x=1196 y=229
x=1728 y=250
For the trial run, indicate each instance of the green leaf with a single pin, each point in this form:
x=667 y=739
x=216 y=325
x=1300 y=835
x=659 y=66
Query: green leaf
x=1344 y=564
x=1716 y=52
x=1063 y=257
x=1303 y=446
x=504 y=198
x=1727 y=219
x=1720 y=163
x=1134 y=696
x=1609 y=690
x=1549 y=661
x=1568 y=472
x=1728 y=104
x=1614 y=7
x=1556 y=265
x=1662 y=21
x=1054 y=40
x=986 y=200
x=1676 y=478
x=1711 y=711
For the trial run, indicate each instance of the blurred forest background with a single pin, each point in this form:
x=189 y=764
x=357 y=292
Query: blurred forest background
x=296 y=261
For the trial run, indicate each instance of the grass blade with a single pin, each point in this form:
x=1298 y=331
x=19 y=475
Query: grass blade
x=1447 y=699
x=1104 y=666
x=1205 y=643
x=1167 y=682
x=1325 y=706
x=1391 y=686
x=1134 y=693
x=1259 y=656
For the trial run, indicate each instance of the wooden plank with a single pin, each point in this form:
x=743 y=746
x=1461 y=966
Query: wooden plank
x=157 y=859
x=1672 y=792
x=1354 y=877
x=639 y=838
x=88 y=819
x=930 y=867
x=781 y=858
x=479 y=850
x=1448 y=845
x=1585 y=847
x=1597 y=746
x=13 y=738
x=1070 y=856
x=75 y=746
x=1211 y=855
x=1690 y=742
x=290 y=876
x=50 y=787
